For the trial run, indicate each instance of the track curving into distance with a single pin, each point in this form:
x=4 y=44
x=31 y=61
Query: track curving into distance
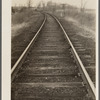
x=48 y=71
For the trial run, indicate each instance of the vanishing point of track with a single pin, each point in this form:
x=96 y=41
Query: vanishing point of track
x=50 y=68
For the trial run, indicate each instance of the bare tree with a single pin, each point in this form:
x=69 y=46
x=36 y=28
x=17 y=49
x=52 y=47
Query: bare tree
x=29 y=3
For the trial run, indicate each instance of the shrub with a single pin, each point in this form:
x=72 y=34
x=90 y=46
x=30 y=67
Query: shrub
x=22 y=16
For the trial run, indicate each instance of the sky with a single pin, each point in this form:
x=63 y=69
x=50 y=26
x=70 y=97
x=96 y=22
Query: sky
x=91 y=4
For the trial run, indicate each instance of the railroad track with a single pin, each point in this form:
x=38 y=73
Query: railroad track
x=50 y=68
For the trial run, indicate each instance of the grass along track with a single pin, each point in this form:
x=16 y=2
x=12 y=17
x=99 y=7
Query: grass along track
x=24 y=35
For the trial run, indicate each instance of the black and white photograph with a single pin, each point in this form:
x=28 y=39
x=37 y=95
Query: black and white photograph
x=53 y=50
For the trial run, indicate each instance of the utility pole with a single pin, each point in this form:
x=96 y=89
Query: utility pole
x=82 y=10
x=83 y=4
x=53 y=8
x=64 y=7
x=29 y=3
x=42 y=5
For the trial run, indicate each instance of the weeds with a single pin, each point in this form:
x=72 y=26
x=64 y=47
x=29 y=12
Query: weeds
x=20 y=17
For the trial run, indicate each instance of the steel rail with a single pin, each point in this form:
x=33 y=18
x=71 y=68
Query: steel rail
x=25 y=52
x=82 y=69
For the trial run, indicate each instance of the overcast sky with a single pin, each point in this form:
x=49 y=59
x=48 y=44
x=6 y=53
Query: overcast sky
x=90 y=3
